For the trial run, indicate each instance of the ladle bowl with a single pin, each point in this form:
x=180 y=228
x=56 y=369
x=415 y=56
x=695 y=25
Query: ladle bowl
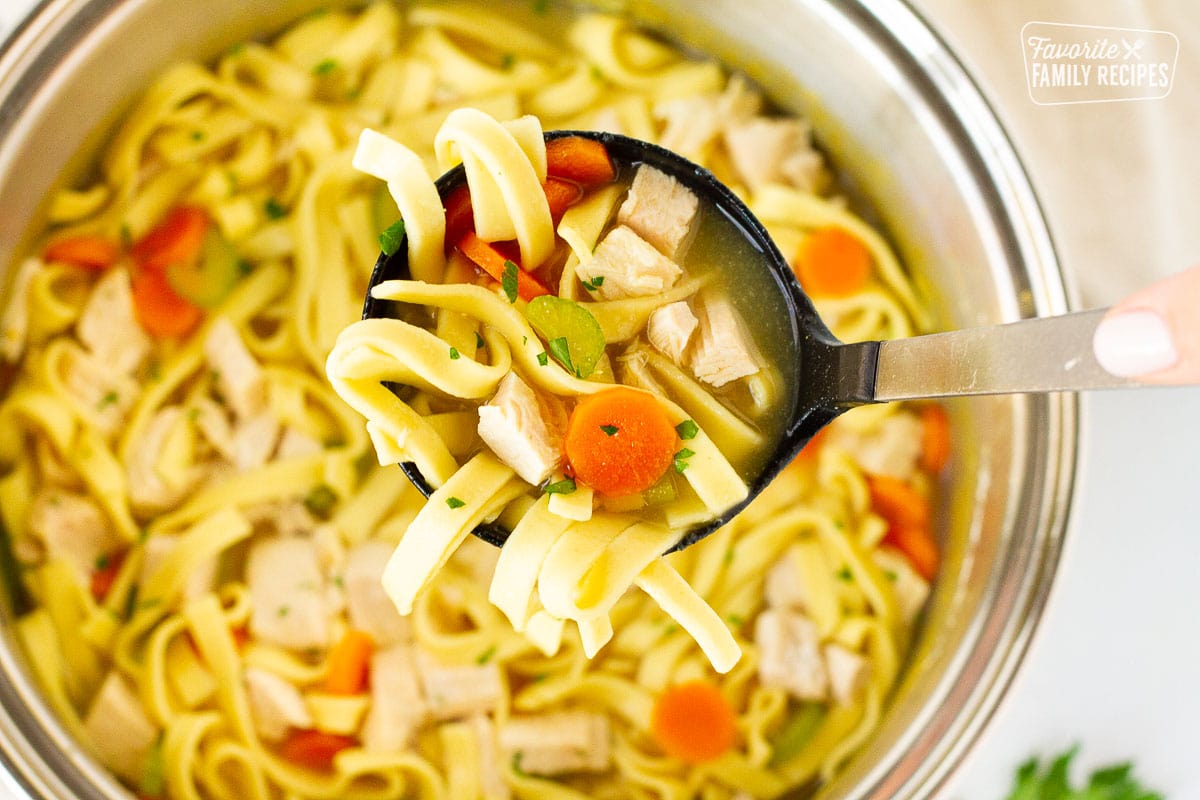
x=1035 y=355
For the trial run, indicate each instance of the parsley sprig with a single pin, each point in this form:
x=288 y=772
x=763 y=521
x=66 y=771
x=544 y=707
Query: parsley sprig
x=1115 y=782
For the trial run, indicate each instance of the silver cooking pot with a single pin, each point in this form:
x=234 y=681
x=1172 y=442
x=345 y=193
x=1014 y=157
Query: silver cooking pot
x=915 y=141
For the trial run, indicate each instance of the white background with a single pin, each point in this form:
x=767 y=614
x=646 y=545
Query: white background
x=1115 y=665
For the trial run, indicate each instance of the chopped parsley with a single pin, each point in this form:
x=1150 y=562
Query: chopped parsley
x=516 y=762
x=594 y=284
x=565 y=486
x=1115 y=782
x=108 y=400
x=102 y=562
x=478 y=341
x=197 y=136
x=454 y=502
x=320 y=501
x=844 y=574
x=687 y=429
x=735 y=619
x=609 y=430
x=507 y=61
x=508 y=281
x=543 y=359
x=391 y=239
x=562 y=353
x=274 y=209
x=454 y=354
x=541 y=6
x=283 y=611
x=891 y=575
x=244 y=267
x=325 y=67
x=728 y=559
x=681 y=458
x=485 y=656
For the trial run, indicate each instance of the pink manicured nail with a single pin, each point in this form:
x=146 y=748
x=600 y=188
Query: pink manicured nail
x=1134 y=343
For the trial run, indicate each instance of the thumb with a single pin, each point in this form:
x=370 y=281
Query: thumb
x=1154 y=335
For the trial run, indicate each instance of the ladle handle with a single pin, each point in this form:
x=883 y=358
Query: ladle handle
x=1046 y=354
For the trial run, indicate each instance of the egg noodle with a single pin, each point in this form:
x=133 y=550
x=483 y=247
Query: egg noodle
x=192 y=515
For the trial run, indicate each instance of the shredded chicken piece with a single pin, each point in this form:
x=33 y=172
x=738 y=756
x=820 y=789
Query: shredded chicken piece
x=513 y=426
x=660 y=209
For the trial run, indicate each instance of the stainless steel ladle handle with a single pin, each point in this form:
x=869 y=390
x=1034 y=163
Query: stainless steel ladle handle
x=1045 y=354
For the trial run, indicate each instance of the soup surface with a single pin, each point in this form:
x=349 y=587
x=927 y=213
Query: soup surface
x=201 y=525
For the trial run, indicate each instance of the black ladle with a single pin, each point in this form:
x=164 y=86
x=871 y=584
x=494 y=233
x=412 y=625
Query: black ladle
x=1034 y=355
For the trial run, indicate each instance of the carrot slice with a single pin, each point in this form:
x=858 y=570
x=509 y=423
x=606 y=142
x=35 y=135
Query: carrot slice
x=809 y=452
x=620 y=441
x=561 y=195
x=494 y=263
x=349 y=663
x=693 y=722
x=833 y=263
x=104 y=575
x=159 y=309
x=314 y=749
x=89 y=251
x=579 y=159
x=907 y=513
x=175 y=240
x=935 y=438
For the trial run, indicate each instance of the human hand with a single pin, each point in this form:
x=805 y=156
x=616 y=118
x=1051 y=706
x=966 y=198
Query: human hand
x=1154 y=335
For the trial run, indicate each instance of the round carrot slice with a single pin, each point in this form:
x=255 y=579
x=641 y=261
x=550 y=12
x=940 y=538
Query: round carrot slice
x=833 y=263
x=620 y=441
x=693 y=722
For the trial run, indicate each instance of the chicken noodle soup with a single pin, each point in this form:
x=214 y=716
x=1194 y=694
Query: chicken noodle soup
x=609 y=468
x=199 y=524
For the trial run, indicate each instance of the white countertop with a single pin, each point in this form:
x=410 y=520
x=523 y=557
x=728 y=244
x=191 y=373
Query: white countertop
x=1114 y=664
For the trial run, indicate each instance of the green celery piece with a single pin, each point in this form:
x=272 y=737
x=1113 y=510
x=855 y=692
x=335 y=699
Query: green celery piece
x=556 y=318
x=796 y=732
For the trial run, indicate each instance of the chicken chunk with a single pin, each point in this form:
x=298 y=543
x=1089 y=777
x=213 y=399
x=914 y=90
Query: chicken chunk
x=238 y=375
x=454 y=691
x=660 y=209
x=161 y=468
x=513 y=426
x=369 y=607
x=782 y=586
x=911 y=589
x=790 y=654
x=398 y=706
x=105 y=394
x=626 y=265
x=492 y=766
x=722 y=351
x=254 y=440
x=772 y=150
x=295 y=443
x=670 y=330
x=107 y=326
x=558 y=742
x=118 y=729
x=275 y=705
x=891 y=448
x=848 y=673
x=14 y=321
x=157 y=549
x=287 y=594
x=73 y=528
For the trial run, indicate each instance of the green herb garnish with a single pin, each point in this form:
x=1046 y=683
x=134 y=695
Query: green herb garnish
x=565 y=486
x=320 y=501
x=594 y=284
x=283 y=611
x=508 y=281
x=391 y=239
x=609 y=430
x=507 y=61
x=1115 y=782
x=485 y=656
x=325 y=67
x=108 y=400
x=153 y=782
x=516 y=763
x=844 y=574
x=454 y=502
x=197 y=136
x=454 y=355
x=543 y=358
x=562 y=353
x=687 y=429
x=102 y=562
x=274 y=209
x=681 y=459
x=736 y=620
x=478 y=341
x=541 y=6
